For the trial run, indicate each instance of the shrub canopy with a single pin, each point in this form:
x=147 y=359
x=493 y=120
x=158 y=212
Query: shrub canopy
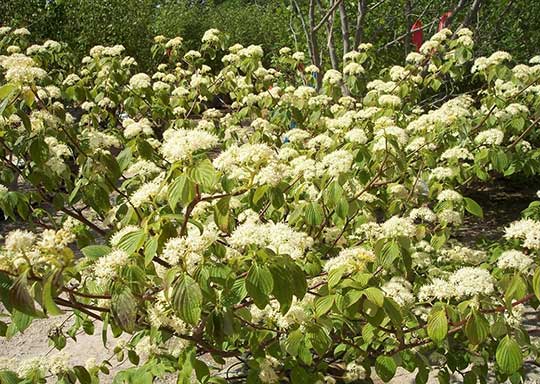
x=223 y=208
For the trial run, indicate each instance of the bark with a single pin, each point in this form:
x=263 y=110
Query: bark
x=475 y=7
x=360 y=16
x=314 y=45
x=408 y=25
x=296 y=8
x=330 y=36
x=344 y=28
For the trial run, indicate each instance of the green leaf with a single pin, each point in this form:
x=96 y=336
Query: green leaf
x=8 y=377
x=94 y=252
x=48 y=297
x=187 y=299
x=393 y=311
x=469 y=378
x=150 y=250
x=385 y=366
x=516 y=289
x=320 y=339
x=124 y=158
x=298 y=280
x=292 y=344
x=476 y=329
x=333 y=193
x=6 y=90
x=82 y=374
x=389 y=252
x=375 y=295
x=21 y=320
x=473 y=208
x=499 y=159
x=221 y=214
x=536 y=283
x=314 y=214
x=20 y=298
x=342 y=208
x=5 y=284
x=181 y=190
x=282 y=289
x=124 y=309
x=437 y=327
x=111 y=164
x=259 y=284
x=204 y=174
x=259 y=193
x=334 y=276
x=508 y=356
x=132 y=241
x=422 y=376
x=323 y=305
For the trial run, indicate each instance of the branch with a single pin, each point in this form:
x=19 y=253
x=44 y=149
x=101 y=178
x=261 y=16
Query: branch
x=329 y=13
x=525 y=132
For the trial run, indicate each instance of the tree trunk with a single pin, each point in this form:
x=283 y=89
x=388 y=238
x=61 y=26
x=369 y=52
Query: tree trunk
x=472 y=13
x=408 y=25
x=361 y=14
x=314 y=45
x=344 y=27
x=297 y=10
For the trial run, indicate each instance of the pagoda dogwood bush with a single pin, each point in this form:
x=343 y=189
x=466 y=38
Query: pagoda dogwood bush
x=220 y=210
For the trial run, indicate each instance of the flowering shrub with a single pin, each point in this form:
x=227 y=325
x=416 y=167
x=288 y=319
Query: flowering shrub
x=236 y=211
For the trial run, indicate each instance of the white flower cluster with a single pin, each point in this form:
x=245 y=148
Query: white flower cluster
x=527 y=230
x=189 y=250
x=492 y=136
x=332 y=77
x=21 y=69
x=278 y=237
x=242 y=162
x=398 y=226
x=496 y=58
x=267 y=370
x=424 y=214
x=449 y=195
x=148 y=191
x=444 y=117
x=142 y=168
x=351 y=259
x=514 y=259
x=160 y=314
x=336 y=163
x=134 y=128
x=100 y=140
x=57 y=151
x=140 y=81
x=48 y=249
x=465 y=282
x=462 y=255
x=107 y=267
x=181 y=144
x=400 y=290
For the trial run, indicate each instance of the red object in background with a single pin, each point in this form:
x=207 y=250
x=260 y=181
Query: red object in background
x=417 y=35
x=444 y=18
